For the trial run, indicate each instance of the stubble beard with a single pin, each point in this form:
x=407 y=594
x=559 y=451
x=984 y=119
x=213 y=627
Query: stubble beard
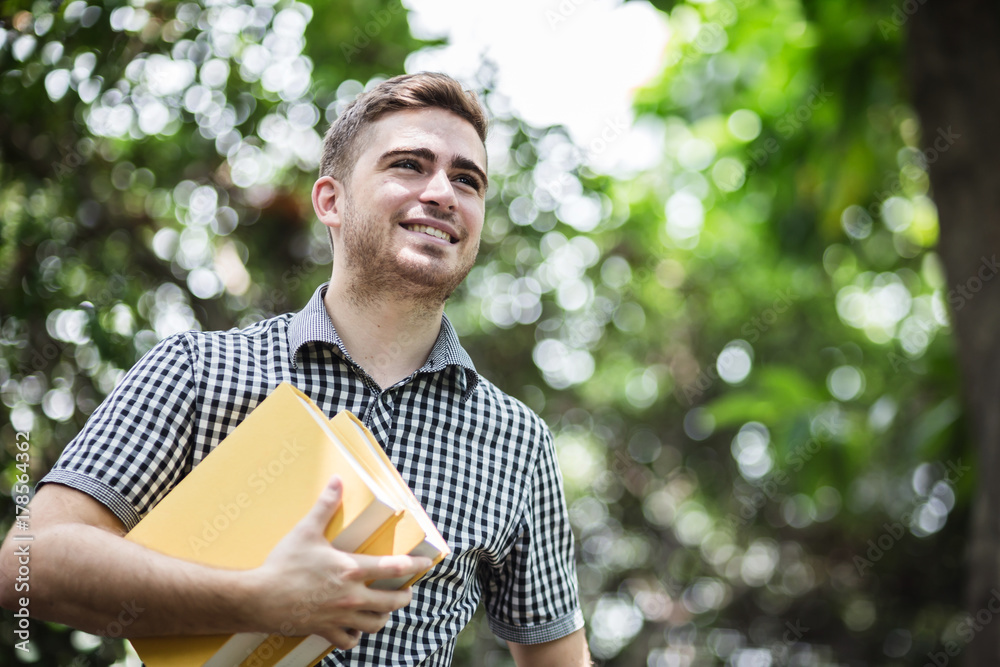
x=378 y=274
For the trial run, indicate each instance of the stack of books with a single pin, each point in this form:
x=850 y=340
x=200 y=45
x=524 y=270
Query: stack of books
x=252 y=489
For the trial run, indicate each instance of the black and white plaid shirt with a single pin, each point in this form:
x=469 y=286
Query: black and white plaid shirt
x=481 y=463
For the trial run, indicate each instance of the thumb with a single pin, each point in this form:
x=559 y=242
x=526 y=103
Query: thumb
x=326 y=506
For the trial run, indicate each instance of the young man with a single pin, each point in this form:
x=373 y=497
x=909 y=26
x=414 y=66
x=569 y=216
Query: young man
x=402 y=189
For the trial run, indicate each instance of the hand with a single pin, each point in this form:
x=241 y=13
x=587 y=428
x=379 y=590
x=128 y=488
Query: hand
x=317 y=589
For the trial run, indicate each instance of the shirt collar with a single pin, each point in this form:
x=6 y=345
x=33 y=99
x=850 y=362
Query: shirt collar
x=312 y=324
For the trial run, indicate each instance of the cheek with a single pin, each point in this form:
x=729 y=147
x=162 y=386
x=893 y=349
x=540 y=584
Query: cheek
x=476 y=230
x=475 y=217
x=393 y=193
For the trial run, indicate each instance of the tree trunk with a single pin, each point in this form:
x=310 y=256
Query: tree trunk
x=953 y=56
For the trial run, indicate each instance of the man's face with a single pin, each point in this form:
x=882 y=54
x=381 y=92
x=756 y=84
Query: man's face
x=414 y=205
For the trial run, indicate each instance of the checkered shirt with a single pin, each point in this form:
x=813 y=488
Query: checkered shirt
x=480 y=462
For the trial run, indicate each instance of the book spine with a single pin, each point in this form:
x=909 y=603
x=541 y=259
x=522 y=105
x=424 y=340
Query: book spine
x=307 y=654
x=389 y=524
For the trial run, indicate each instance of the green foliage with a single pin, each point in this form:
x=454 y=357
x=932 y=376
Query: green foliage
x=155 y=160
x=743 y=351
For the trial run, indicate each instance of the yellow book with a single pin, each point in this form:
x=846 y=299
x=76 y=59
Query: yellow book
x=245 y=496
x=412 y=533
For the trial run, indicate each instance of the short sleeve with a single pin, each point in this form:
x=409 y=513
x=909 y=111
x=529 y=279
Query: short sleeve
x=532 y=598
x=136 y=446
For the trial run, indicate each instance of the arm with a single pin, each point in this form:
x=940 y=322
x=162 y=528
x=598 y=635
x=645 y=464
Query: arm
x=570 y=651
x=83 y=571
x=538 y=613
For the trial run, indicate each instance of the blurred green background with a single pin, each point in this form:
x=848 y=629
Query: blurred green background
x=746 y=352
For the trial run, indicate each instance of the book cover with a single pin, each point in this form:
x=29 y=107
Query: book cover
x=245 y=496
x=413 y=533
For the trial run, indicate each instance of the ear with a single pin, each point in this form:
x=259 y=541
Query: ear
x=328 y=202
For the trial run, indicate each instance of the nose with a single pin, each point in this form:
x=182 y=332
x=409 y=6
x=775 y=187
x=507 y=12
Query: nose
x=439 y=191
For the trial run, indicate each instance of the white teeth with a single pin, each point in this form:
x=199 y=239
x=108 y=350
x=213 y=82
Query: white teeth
x=436 y=233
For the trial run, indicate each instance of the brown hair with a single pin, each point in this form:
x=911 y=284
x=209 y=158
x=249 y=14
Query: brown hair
x=345 y=138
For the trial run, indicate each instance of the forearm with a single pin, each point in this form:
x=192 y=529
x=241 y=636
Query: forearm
x=85 y=574
x=570 y=651
x=89 y=578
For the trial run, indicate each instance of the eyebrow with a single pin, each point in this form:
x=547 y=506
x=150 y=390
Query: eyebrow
x=457 y=162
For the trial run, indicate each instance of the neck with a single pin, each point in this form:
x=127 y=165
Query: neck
x=387 y=336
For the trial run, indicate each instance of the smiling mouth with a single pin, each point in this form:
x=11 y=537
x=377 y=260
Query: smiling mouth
x=431 y=231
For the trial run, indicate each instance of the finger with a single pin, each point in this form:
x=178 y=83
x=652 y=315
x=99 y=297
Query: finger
x=385 y=602
x=389 y=567
x=325 y=507
x=342 y=638
x=369 y=622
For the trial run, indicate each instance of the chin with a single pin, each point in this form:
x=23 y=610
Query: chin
x=429 y=280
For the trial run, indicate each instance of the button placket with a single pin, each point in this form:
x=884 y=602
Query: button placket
x=379 y=419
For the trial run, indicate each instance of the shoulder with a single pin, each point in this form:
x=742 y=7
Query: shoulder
x=263 y=329
x=195 y=339
x=511 y=411
x=263 y=334
x=223 y=355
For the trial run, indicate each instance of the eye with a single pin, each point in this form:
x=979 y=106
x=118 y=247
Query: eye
x=408 y=164
x=471 y=181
